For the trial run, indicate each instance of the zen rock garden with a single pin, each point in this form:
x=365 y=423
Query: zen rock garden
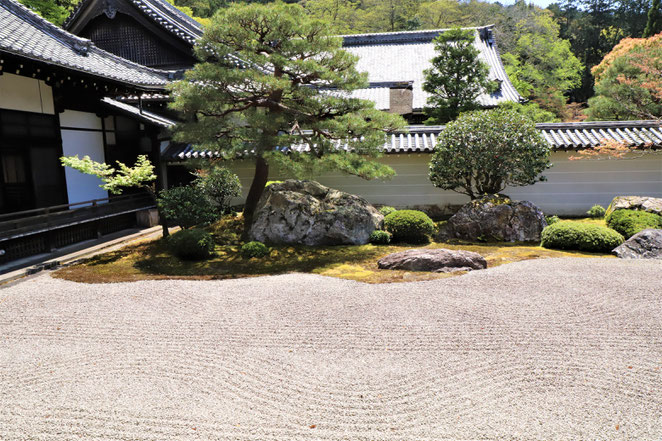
x=307 y=213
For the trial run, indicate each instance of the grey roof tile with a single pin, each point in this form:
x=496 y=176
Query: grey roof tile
x=560 y=136
x=25 y=34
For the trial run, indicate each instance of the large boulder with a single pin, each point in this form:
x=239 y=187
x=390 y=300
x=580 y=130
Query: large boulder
x=646 y=244
x=308 y=213
x=433 y=260
x=495 y=218
x=642 y=203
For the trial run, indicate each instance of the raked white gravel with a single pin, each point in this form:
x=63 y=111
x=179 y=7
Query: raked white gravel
x=555 y=349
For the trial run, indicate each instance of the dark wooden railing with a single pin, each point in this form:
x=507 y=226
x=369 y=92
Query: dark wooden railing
x=41 y=230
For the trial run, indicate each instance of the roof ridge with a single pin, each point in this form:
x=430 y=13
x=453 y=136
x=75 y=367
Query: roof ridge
x=160 y=11
x=401 y=36
x=598 y=124
x=161 y=4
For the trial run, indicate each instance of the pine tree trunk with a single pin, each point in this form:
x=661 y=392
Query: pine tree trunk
x=255 y=193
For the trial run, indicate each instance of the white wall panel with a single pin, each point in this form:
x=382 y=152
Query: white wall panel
x=572 y=186
x=25 y=94
x=80 y=120
x=81 y=187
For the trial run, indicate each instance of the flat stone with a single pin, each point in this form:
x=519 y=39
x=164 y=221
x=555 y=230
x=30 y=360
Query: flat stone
x=495 y=218
x=643 y=203
x=646 y=244
x=308 y=213
x=433 y=260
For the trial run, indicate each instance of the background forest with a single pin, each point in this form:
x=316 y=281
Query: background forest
x=549 y=53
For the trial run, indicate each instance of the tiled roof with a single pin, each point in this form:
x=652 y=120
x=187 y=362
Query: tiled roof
x=159 y=11
x=591 y=134
x=27 y=35
x=560 y=136
x=403 y=56
x=141 y=115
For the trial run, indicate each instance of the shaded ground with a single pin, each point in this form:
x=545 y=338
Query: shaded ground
x=536 y=350
x=152 y=261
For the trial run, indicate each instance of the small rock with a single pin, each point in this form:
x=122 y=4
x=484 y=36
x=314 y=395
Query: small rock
x=643 y=203
x=433 y=260
x=646 y=244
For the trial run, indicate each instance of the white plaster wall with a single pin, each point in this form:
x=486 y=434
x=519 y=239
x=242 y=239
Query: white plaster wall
x=25 y=94
x=81 y=187
x=572 y=186
x=80 y=120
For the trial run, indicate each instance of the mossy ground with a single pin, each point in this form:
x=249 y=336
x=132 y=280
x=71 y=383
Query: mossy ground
x=151 y=260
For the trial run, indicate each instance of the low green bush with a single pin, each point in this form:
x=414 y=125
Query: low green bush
x=409 y=226
x=597 y=212
x=254 y=249
x=193 y=244
x=630 y=222
x=580 y=236
x=552 y=219
x=186 y=207
x=380 y=237
x=386 y=210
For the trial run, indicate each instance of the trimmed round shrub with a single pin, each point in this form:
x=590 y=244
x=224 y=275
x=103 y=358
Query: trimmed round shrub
x=386 y=210
x=630 y=222
x=552 y=219
x=597 y=212
x=186 y=207
x=220 y=186
x=254 y=249
x=380 y=237
x=410 y=226
x=580 y=236
x=191 y=244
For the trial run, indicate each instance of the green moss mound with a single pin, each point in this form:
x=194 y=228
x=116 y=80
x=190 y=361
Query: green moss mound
x=581 y=237
x=409 y=226
x=386 y=210
x=380 y=237
x=630 y=222
x=596 y=212
x=191 y=244
x=254 y=249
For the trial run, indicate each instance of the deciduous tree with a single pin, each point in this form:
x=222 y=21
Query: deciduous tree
x=628 y=81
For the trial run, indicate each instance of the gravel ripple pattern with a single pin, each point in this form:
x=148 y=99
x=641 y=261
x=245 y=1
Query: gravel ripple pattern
x=552 y=349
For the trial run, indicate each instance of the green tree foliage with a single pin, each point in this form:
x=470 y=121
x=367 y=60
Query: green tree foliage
x=594 y=27
x=531 y=110
x=483 y=152
x=457 y=77
x=219 y=185
x=629 y=81
x=541 y=65
x=654 y=23
x=115 y=180
x=186 y=207
x=291 y=87
x=55 y=11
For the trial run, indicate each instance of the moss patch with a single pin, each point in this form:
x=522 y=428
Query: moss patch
x=152 y=261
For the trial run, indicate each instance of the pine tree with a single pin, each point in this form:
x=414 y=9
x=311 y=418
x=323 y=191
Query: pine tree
x=271 y=77
x=457 y=77
x=654 y=24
